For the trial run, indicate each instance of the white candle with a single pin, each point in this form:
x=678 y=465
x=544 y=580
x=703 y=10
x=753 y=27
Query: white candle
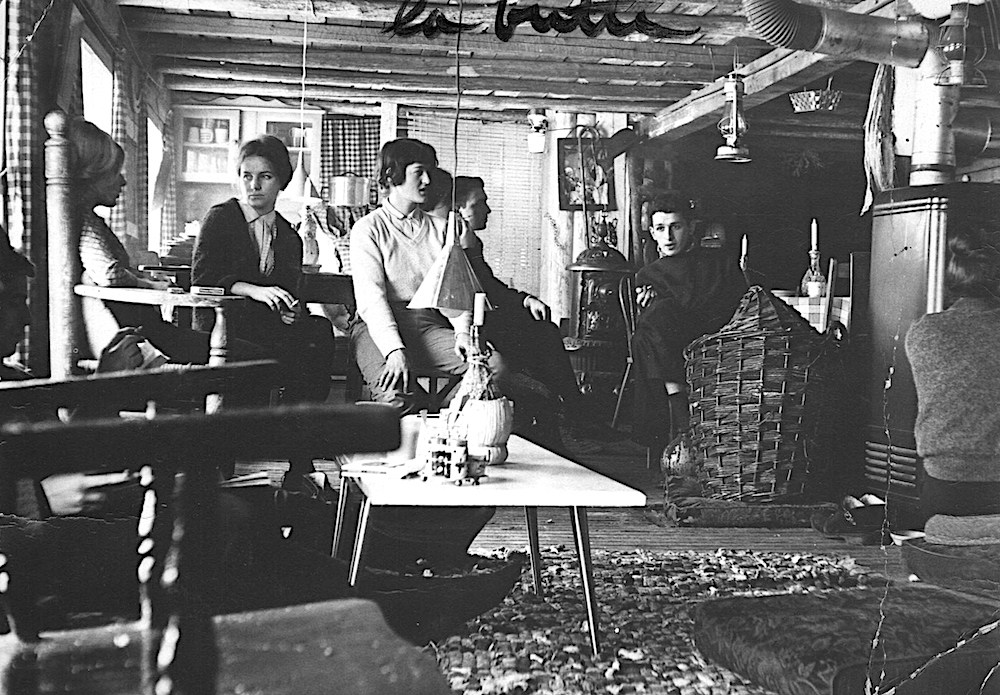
x=743 y=251
x=815 y=236
x=479 y=309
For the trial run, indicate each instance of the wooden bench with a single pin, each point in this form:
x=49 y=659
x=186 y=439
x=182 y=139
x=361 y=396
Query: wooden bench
x=177 y=646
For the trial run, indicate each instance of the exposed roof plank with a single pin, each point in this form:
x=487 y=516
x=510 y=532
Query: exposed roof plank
x=481 y=14
x=247 y=56
x=381 y=82
x=527 y=47
x=413 y=98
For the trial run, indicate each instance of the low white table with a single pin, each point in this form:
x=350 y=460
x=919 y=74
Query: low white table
x=531 y=477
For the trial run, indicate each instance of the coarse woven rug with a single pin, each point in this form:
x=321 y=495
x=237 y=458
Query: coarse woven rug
x=646 y=599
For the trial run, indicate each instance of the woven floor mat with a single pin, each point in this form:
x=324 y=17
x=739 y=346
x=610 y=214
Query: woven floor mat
x=540 y=645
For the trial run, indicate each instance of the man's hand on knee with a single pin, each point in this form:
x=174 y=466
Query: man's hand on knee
x=396 y=372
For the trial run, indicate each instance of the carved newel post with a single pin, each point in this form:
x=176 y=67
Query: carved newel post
x=65 y=318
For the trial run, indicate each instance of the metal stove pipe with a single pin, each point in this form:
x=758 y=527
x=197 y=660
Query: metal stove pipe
x=789 y=24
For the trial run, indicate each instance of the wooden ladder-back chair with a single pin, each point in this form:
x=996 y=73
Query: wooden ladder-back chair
x=177 y=645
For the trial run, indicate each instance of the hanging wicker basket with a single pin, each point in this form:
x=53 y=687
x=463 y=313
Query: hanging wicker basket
x=816 y=99
x=760 y=397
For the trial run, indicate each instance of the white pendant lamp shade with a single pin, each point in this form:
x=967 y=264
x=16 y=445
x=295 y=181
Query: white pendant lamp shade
x=450 y=285
x=301 y=187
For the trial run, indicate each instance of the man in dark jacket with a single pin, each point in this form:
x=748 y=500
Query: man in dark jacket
x=520 y=325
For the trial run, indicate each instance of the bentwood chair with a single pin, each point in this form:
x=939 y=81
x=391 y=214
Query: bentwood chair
x=176 y=645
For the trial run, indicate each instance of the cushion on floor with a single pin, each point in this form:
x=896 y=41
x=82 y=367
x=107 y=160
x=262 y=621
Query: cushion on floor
x=969 y=568
x=808 y=644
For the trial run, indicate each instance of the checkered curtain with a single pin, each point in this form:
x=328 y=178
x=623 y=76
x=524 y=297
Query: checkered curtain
x=24 y=148
x=141 y=176
x=168 y=213
x=119 y=130
x=349 y=145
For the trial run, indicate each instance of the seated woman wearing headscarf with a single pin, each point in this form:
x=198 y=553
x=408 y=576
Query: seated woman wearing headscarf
x=689 y=292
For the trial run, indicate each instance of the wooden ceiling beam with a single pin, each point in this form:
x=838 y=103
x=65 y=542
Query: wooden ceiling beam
x=429 y=83
x=480 y=15
x=512 y=101
x=566 y=47
x=769 y=77
x=694 y=74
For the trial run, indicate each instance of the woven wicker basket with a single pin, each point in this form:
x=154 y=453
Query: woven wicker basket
x=757 y=401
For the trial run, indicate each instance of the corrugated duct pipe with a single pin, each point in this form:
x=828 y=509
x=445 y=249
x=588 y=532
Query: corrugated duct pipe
x=788 y=24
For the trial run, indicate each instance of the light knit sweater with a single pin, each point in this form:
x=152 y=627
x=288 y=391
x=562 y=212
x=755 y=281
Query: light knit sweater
x=390 y=255
x=955 y=356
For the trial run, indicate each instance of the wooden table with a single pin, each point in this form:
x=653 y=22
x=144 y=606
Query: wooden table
x=532 y=477
x=218 y=346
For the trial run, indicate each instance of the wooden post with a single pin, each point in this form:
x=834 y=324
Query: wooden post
x=65 y=317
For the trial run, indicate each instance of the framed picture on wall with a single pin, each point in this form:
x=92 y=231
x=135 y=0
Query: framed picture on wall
x=586 y=180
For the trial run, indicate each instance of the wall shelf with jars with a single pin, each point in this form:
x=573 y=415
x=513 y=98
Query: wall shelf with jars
x=300 y=131
x=206 y=143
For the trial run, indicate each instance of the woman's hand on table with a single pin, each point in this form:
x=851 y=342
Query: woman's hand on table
x=644 y=295
x=275 y=297
x=75 y=493
x=396 y=372
x=156 y=284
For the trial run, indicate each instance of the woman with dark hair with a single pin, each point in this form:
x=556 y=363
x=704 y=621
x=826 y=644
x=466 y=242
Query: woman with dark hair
x=955 y=357
x=248 y=249
x=689 y=292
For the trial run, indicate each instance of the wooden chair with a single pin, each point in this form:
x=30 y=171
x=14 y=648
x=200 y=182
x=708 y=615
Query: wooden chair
x=177 y=646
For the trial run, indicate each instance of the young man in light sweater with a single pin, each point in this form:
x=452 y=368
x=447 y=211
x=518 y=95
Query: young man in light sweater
x=392 y=248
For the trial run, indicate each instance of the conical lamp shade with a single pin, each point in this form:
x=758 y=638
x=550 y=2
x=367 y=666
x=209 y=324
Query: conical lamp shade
x=301 y=186
x=450 y=285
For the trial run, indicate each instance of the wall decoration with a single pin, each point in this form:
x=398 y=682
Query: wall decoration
x=589 y=185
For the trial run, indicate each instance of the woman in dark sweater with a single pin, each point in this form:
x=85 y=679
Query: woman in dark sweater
x=248 y=249
x=956 y=369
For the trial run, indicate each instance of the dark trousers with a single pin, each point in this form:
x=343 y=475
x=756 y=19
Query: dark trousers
x=534 y=348
x=430 y=346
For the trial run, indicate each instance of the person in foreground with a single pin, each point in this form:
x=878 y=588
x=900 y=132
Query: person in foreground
x=689 y=292
x=248 y=249
x=956 y=370
x=392 y=248
x=78 y=530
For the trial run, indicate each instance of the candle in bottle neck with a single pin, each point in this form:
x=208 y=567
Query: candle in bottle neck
x=815 y=236
x=743 y=249
x=479 y=309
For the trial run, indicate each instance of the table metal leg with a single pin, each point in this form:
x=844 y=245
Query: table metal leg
x=359 y=542
x=581 y=534
x=534 y=552
x=338 y=526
